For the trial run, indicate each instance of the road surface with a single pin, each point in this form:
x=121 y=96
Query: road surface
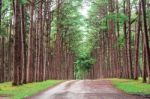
x=84 y=89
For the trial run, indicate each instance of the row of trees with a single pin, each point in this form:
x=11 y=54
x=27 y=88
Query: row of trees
x=41 y=39
x=122 y=44
x=38 y=39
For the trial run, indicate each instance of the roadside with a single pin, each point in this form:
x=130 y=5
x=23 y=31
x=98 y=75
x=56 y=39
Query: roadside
x=132 y=87
x=20 y=92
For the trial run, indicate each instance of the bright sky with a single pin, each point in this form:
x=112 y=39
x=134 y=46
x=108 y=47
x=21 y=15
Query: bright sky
x=84 y=9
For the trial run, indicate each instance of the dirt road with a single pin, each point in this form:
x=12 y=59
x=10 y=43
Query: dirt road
x=84 y=89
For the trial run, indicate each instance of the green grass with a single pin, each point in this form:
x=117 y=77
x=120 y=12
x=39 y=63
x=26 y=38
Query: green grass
x=132 y=86
x=20 y=92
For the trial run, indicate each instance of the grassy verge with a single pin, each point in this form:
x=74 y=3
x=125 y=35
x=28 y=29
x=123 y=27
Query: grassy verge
x=132 y=86
x=20 y=92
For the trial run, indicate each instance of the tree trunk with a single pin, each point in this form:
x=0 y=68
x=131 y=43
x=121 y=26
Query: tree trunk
x=30 y=63
x=18 y=58
x=129 y=50
x=137 y=45
x=146 y=41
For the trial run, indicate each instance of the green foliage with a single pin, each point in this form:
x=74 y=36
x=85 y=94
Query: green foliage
x=71 y=21
x=103 y=24
x=121 y=41
x=83 y=65
x=6 y=5
x=23 y=91
x=6 y=15
x=3 y=32
x=23 y=1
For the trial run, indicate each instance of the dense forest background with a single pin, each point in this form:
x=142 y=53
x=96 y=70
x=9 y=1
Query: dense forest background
x=52 y=39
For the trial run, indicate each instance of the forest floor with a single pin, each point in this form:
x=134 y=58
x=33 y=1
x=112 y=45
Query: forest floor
x=85 y=89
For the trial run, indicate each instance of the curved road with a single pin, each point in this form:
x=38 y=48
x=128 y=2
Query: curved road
x=84 y=89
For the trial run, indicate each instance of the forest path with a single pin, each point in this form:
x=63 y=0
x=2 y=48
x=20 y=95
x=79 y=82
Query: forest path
x=84 y=89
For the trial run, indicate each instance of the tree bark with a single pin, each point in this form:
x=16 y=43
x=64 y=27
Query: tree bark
x=18 y=58
x=30 y=61
x=137 y=45
x=146 y=41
